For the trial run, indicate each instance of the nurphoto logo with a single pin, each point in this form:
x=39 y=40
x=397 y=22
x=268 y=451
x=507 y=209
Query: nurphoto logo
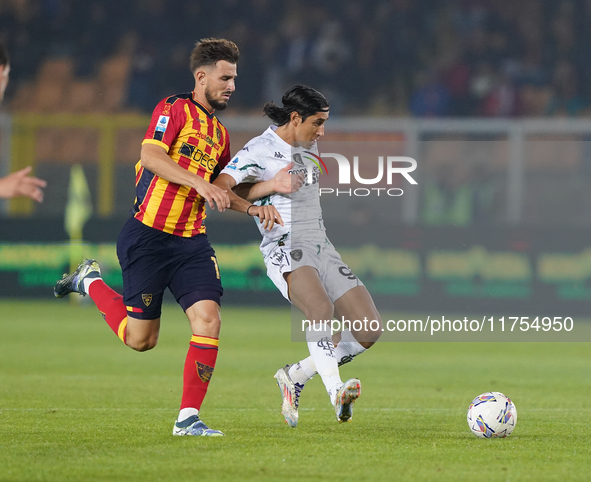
x=394 y=165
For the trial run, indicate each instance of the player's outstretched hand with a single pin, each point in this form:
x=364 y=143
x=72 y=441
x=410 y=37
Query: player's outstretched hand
x=19 y=183
x=213 y=194
x=268 y=215
x=285 y=182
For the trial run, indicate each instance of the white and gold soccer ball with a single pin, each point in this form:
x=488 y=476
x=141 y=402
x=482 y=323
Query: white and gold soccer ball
x=492 y=415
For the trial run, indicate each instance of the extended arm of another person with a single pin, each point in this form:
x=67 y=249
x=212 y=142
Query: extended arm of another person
x=283 y=182
x=267 y=214
x=19 y=183
x=155 y=159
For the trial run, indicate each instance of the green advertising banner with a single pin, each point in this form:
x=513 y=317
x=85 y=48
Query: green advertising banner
x=491 y=275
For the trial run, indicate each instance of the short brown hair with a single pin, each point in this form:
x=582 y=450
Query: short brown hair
x=210 y=50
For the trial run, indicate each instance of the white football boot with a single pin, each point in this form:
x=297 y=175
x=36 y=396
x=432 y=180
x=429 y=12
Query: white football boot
x=346 y=396
x=290 y=393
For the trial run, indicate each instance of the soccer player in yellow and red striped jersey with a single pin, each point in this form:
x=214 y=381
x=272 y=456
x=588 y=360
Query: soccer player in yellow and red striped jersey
x=164 y=245
x=197 y=141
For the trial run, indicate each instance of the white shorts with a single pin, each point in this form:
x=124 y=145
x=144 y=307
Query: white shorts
x=336 y=277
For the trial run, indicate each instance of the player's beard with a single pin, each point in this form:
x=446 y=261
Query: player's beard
x=214 y=103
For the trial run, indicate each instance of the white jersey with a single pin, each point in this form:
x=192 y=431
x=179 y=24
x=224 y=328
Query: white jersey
x=260 y=159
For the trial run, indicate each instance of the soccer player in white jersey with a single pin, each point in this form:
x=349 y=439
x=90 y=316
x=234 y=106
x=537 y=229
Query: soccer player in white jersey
x=276 y=168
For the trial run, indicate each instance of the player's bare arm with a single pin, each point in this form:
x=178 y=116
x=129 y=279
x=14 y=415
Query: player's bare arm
x=155 y=159
x=267 y=215
x=19 y=183
x=283 y=182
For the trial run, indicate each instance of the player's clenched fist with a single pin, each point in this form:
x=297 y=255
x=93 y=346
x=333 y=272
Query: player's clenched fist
x=267 y=215
x=212 y=194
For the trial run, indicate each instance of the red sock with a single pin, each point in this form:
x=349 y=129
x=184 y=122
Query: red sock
x=110 y=304
x=199 y=366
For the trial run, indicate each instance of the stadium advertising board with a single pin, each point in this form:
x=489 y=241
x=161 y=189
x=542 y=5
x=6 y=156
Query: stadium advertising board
x=451 y=269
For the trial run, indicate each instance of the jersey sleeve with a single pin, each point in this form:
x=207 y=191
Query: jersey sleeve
x=223 y=160
x=167 y=121
x=225 y=156
x=246 y=166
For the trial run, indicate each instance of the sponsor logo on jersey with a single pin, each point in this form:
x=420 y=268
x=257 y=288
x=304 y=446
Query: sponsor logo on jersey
x=162 y=123
x=166 y=109
x=203 y=159
x=317 y=161
x=207 y=139
x=278 y=155
x=312 y=170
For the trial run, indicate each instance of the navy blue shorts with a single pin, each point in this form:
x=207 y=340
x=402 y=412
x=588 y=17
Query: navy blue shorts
x=152 y=260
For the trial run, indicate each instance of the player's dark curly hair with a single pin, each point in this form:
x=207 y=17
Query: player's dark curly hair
x=209 y=50
x=302 y=99
x=4 y=59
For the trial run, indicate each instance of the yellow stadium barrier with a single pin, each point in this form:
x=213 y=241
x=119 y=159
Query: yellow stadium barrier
x=25 y=128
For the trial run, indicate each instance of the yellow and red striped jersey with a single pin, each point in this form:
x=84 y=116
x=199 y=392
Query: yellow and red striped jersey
x=197 y=141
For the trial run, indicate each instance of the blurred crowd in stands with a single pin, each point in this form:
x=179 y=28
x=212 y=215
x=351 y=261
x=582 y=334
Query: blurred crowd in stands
x=424 y=58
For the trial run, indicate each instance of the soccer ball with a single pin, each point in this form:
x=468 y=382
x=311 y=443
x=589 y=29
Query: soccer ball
x=491 y=415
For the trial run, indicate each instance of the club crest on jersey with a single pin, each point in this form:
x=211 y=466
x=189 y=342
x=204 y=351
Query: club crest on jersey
x=162 y=123
x=147 y=299
x=204 y=371
x=296 y=254
x=297 y=159
x=218 y=133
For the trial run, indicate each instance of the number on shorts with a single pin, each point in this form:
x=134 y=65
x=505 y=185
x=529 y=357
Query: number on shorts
x=346 y=272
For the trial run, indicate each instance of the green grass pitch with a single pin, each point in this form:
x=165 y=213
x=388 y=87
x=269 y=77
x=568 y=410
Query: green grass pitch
x=77 y=405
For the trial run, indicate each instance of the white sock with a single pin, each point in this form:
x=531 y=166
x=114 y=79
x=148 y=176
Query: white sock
x=322 y=352
x=347 y=349
x=303 y=371
x=86 y=283
x=185 y=413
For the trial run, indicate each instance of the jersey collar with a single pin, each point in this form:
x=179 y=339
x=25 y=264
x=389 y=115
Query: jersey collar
x=201 y=106
x=280 y=141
